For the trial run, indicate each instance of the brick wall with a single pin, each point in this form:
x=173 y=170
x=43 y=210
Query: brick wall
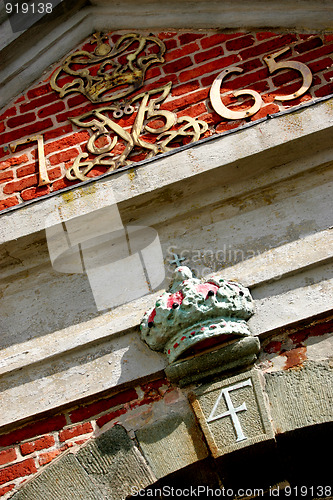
x=192 y=62
x=24 y=451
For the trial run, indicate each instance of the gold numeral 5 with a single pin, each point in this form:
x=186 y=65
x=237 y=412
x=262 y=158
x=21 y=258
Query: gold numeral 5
x=298 y=66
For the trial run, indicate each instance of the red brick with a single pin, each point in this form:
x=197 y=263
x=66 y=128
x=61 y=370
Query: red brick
x=63 y=156
x=270 y=109
x=78 y=430
x=32 y=168
x=21 y=184
x=46 y=458
x=310 y=44
x=263 y=35
x=328 y=38
x=208 y=68
x=153 y=72
x=75 y=112
x=268 y=47
x=19 y=120
x=58 y=132
x=110 y=416
x=225 y=126
x=93 y=409
x=325 y=90
x=240 y=43
x=206 y=55
x=20 y=469
x=66 y=142
x=63 y=183
x=7 y=456
x=184 y=88
x=167 y=34
x=189 y=37
x=320 y=64
x=186 y=100
x=39 y=102
x=181 y=52
x=193 y=111
x=8 y=202
x=52 y=109
x=170 y=44
x=211 y=40
x=8 y=113
x=36 y=429
x=35 y=192
x=38 y=126
x=315 y=53
x=178 y=65
x=40 y=90
x=14 y=160
x=37 y=445
x=6 y=176
x=6 y=489
x=76 y=100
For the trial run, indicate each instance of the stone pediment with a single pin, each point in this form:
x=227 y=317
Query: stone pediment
x=120 y=99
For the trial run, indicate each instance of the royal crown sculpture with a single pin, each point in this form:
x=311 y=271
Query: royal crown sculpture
x=196 y=316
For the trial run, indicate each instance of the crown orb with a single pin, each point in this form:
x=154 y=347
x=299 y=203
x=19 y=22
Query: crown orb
x=196 y=316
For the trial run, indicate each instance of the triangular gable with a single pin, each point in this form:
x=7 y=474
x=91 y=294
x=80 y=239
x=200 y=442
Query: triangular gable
x=123 y=98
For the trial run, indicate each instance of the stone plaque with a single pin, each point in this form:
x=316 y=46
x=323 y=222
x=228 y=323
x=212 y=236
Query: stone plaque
x=232 y=413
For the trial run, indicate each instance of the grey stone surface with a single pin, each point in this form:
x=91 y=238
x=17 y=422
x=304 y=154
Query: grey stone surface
x=233 y=412
x=172 y=443
x=243 y=352
x=64 y=479
x=300 y=397
x=113 y=462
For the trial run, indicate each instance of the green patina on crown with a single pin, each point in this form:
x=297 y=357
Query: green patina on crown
x=195 y=315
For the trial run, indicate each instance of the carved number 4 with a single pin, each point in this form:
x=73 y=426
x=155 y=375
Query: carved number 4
x=273 y=66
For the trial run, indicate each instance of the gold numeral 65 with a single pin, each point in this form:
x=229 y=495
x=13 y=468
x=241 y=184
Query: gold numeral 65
x=222 y=110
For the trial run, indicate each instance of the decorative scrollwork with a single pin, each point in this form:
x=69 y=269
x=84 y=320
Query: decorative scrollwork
x=111 y=75
x=119 y=145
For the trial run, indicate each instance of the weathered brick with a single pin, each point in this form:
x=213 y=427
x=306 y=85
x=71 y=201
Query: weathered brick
x=206 y=55
x=19 y=185
x=37 y=445
x=46 y=458
x=66 y=142
x=320 y=64
x=63 y=156
x=35 y=429
x=270 y=109
x=193 y=111
x=19 y=120
x=14 y=135
x=40 y=90
x=177 y=65
x=39 y=102
x=85 y=412
x=6 y=176
x=6 y=489
x=32 y=168
x=186 y=38
x=63 y=183
x=207 y=68
x=58 y=132
x=310 y=44
x=7 y=456
x=110 y=416
x=185 y=88
x=76 y=100
x=181 y=52
x=51 y=110
x=263 y=35
x=8 y=113
x=325 y=90
x=20 y=469
x=186 y=100
x=78 y=430
x=14 y=160
x=9 y=202
x=209 y=41
x=35 y=192
x=240 y=42
x=268 y=46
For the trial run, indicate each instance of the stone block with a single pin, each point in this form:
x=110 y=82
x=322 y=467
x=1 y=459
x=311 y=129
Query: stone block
x=300 y=397
x=115 y=463
x=232 y=413
x=64 y=479
x=172 y=443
